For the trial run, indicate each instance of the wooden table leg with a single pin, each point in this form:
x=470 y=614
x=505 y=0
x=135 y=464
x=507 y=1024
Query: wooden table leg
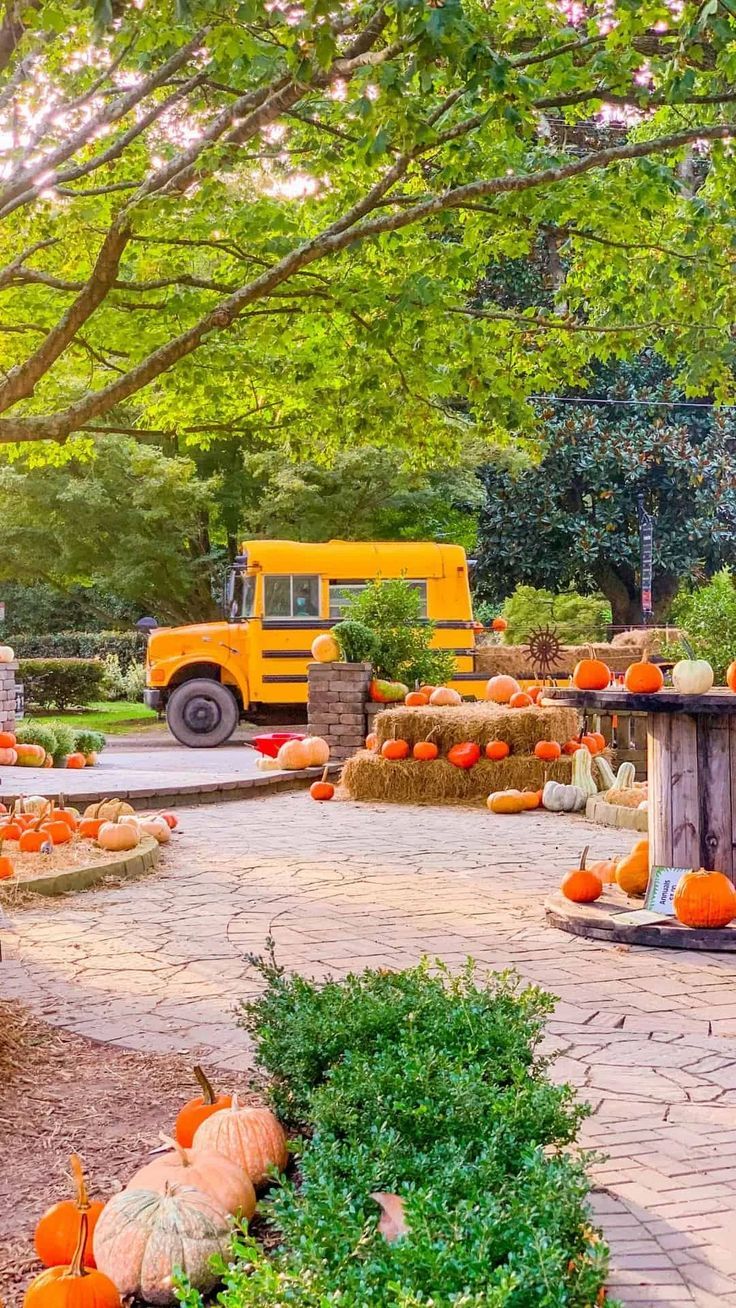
x=714 y=792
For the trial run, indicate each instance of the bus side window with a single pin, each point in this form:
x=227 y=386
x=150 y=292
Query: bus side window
x=421 y=587
x=278 y=597
x=305 y=597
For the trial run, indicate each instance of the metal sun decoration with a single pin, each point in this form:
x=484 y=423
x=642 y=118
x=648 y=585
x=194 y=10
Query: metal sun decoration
x=543 y=650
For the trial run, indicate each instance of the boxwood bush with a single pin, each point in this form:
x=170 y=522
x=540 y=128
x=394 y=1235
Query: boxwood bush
x=428 y=1086
x=128 y=646
x=60 y=683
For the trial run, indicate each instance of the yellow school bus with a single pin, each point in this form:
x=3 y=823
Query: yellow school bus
x=279 y=595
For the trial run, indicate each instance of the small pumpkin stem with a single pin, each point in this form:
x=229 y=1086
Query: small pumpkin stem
x=208 y=1094
x=583 y=857
x=173 y=1145
x=326 y=771
x=76 y=1266
x=80 y=1184
x=61 y=802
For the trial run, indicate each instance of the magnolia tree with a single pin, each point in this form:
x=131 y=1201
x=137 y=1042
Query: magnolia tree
x=264 y=216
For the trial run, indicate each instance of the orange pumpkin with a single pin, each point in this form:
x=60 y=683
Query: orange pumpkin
x=322 y=789
x=643 y=678
x=499 y=689
x=76 y=761
x=8 y=757
x=521 y=700
x=532 y=798
x=416 y=699
x=33 y=841
x=59 y=833
x=395 y=749
x=89 y=828
x=464 y=755
x=75 y=1285
x=590 y=740
x=591 y=673
x=252 y=1137
x=11 y=830
x=427 y=690
x=582 y=885
x=731 y=676
x=499 y=624
x=57 y=1233
x=170 y=819
x=570 y=746
x=497 y=749
x=705 y=899
x=325 y=649
x=6 y=867
x=197 y=1110
x=506 y=801
x=547 y=750
x=7 y=740
x=371 y=740
x=605 y=868
x=632 y=872
x=600 y=740
x=535 y=693
x=425 y=750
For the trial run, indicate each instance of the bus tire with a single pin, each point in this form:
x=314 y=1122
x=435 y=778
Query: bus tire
x=201 y=713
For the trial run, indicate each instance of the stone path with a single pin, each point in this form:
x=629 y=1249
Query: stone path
x=648 y=1036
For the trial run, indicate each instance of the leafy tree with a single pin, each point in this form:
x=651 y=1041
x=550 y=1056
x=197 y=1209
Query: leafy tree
x=391 y=608
x=708 y=617
x=129 y=522
x=575 y=618
x=251 y=218
x=571 y=519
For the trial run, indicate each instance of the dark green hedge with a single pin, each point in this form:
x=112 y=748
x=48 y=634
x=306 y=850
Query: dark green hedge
x=431 y=1087
x=130 y=646
x=60 y=683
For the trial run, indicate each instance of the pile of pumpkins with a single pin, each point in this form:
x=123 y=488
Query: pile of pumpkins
x=297 y=755
x=703 y=899
x=38 y=824
x=175 y=1214
x=690 y=676
x=16 y=753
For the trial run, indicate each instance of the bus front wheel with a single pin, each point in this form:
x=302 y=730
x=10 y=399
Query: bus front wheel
x=202 y=713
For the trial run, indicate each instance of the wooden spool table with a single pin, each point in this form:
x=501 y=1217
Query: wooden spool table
x=691 y=763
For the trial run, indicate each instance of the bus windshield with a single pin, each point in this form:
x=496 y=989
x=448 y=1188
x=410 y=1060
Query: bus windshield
x=240 y=596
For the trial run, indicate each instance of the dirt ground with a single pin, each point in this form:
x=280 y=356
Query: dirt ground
x=63 y=1094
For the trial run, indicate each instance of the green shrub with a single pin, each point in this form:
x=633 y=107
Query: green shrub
x=708 y=617
x=431 y=1087
x=60 y=683
x=391 y=609
x=358 y=644
x=89 y=742
x=66 y=742
x=128 y=646
x=575 y=618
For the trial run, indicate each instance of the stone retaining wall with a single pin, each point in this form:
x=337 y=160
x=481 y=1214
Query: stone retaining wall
x=7 y=696
x=337 y=700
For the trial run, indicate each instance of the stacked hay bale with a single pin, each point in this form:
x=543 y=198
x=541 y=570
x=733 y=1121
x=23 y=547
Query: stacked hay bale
x=369 y=776
x=514 y=661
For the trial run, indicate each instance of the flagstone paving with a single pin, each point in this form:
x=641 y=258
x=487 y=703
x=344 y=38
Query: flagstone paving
x=648 y=1036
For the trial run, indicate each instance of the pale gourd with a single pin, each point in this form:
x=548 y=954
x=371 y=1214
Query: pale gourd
x=582 y=772
x=318 y=751
x=325 y=649
x=265 y=764
x=213 y=1174
x=8 y=758
x=692 y=676
x=445 y=696
x=559 y=798
x=604 y=771
x=625 y=777
x=143 y=1237
x=293 y=756
x=117 y=837
x=35 y=804
x=7 y=655
x=109 y=810
x=251 y=1137
x=156 y=827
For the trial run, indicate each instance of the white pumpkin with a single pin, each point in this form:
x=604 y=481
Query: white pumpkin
x=156 y=827
x=692 y=676
x=559 y=798
x=35 y=804
x=268 y=764
x=318 y=751
x=117 y=836
x=7 y=655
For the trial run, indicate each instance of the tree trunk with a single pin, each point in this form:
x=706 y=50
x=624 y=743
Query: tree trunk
x=622 y=594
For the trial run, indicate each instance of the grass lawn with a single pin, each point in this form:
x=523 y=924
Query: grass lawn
x=115 y=718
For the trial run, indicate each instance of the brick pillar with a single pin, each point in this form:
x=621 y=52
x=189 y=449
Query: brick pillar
x=7 y=696
x=337 y=698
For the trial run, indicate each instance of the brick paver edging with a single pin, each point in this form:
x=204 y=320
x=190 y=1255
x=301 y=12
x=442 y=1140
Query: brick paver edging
x=203 y=792
x=139 y=860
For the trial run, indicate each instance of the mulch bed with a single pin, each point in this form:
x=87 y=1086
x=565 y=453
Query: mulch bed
x=63 y=1094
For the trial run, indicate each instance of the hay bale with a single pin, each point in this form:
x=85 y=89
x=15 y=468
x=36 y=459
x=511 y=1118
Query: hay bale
x=369 y=777
x=520 y=728
x=490 y=660
x=647 y=638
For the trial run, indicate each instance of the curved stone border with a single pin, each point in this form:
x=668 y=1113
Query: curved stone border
x=599 y=921
x=139 y=860
x=616 y=815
